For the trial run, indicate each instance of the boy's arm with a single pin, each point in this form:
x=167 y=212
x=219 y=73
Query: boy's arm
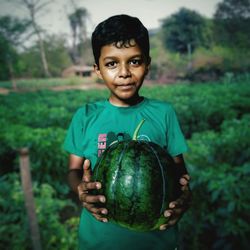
x=75 y=173
x=178 y=207
x=181 y=171
x=79 y=179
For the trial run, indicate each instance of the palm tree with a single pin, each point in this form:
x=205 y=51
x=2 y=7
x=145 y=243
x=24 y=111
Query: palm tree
x=78 y=20
x=34 y=7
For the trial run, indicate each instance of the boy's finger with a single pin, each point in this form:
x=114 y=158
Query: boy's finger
x=86 y=171
x=99 y=211
x=184 y=180
x=172 y=222
x=168 y=213
x=93 y=185
x=84 y=187
x=186 y=176
x=98 y=217
x=173 y=204
x=163 y=227
x=94 y=198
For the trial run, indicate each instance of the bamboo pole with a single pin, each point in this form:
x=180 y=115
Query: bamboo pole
x=29 y=198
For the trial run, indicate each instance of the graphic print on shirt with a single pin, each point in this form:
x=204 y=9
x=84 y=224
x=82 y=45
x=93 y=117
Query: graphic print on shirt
x=102 y=143
x=106 y=139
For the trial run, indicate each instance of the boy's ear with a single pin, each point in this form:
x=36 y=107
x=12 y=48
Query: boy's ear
x=97 y=71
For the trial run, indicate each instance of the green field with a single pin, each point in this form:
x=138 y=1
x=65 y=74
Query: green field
x=215 y=119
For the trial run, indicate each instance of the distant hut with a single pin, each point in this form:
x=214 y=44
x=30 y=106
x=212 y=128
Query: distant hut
x=77 y=70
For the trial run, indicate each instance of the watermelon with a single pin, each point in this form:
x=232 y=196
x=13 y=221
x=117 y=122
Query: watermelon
x=138 y=181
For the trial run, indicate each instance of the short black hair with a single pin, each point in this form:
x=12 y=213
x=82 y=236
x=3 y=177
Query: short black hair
x=120 y=30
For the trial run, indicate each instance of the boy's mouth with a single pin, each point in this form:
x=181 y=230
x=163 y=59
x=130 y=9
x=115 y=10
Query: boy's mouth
x=125 y=86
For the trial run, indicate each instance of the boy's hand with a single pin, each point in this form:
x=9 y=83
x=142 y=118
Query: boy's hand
x=87 y=199
x=178 y=207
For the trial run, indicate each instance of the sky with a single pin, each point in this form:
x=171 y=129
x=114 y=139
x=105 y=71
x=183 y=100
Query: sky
x=54 y=19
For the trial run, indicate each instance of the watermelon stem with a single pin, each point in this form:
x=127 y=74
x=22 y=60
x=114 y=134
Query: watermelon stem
x=137 y=130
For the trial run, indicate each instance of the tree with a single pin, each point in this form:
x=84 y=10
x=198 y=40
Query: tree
x=232 y=21
x=79 y=31
x=58 y=57
x=12 y=31
x=185 y=30
x=34 y=7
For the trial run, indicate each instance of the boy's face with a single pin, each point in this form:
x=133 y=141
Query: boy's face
x=123 y=70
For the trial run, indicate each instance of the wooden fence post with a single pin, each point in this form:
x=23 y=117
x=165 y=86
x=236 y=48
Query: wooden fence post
x=29 y=198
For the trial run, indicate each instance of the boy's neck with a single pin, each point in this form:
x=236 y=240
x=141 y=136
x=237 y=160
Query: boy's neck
x=126 y=103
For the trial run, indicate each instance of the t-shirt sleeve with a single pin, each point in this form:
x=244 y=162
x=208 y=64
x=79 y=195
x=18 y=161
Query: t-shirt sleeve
x=73 y=142
x=176 y=143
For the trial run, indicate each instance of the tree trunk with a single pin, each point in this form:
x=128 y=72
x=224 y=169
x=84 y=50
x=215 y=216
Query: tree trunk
x=190 y=64
x=31 y=8
x=29 y=198
x=75 y=54
x=43 y=55
x=12 y=77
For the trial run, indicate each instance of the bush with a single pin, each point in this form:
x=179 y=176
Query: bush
x=219 y=163
x=212 y=64
x=48 y=159
x=214 y=117
x=55 y=232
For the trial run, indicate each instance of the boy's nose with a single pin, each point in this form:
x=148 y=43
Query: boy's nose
x=124 y=71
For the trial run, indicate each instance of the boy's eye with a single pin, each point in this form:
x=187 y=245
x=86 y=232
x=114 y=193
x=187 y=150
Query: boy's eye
x=111 y=64
x=136 y=62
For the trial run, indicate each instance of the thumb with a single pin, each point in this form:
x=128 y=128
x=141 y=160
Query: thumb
x=86 y=171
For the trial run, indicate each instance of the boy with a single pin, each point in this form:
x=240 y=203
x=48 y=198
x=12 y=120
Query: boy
x=121 y=50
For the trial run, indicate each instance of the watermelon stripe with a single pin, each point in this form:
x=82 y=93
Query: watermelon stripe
x=100 y=162
x=135 y=196
x=163 y=178
x=117 y=176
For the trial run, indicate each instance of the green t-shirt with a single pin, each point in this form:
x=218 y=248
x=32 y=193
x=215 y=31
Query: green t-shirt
x=97 y=125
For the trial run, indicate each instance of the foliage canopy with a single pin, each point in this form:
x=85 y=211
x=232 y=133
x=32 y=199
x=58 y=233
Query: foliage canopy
x=232 y=19
x=184 y=31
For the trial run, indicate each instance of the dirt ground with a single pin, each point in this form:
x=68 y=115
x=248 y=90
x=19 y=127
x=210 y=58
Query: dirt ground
x=5 y=91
